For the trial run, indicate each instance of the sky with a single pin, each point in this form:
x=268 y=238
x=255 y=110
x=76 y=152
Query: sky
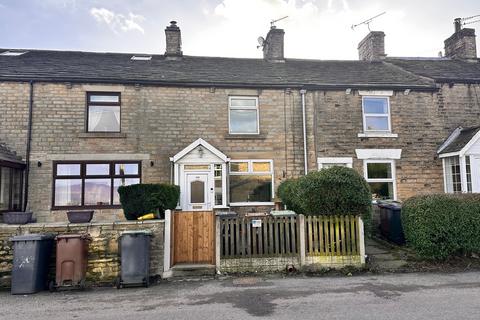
x=314 y=29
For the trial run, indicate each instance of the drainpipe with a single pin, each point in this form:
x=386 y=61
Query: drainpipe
x=304 y=123
x=29 y=140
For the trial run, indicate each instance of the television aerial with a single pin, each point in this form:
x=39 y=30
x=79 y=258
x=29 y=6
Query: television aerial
x=261 y=40
x=367 y=22
x=466 y=20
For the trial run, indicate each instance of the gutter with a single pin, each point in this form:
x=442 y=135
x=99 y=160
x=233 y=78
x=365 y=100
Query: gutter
x=304 y=124
x=29 y=143
x=325 y=86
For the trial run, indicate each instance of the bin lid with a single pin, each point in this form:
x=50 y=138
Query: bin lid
x=282 y=213
x=135 y=232
x=390 y=205
x=33 y=237
x=74 y=236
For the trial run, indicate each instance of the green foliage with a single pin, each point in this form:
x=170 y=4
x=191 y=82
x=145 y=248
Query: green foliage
x=439 y=226
x=140 y=199
x=288 y=191
x=333 y=191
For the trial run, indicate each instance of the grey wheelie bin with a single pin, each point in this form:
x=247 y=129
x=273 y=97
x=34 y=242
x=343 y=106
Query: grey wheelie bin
x=31 y=258
x=134 y=247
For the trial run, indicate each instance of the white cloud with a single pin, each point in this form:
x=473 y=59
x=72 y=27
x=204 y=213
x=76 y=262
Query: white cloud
x=118 y=22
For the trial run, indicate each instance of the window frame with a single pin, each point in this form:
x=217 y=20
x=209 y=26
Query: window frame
x=257 y=108
x=250 y=172
x=83 y=176
x=393 y=179
x=103 y=104
x=13 y=167
x=348 y=161
x=388 y=115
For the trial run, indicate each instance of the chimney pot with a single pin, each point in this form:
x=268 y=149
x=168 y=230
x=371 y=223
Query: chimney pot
x=372 y=47
x=173 y=38
x=461 y=44
x=273 y=46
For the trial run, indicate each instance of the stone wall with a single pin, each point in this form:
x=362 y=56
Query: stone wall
x=422 y=122
x=103 y=257
x=157 y=122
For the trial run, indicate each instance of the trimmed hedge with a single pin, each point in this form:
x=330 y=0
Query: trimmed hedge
x=140 y=199
x=333 y=191
x=440 y=226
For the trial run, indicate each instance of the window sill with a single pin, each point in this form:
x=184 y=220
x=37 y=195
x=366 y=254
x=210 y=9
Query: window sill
x=377 y=135
x=245 y=204
x=230 y=136
x=109 y=135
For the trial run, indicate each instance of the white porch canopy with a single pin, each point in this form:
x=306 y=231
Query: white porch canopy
x=200 y=171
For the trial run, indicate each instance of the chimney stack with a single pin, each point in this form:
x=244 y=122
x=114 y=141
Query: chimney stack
x=461 y=44
x=173 y=41
x=273 y=45
x=372 y=47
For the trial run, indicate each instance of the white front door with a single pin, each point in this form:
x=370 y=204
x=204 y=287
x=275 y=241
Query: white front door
x=197 y=191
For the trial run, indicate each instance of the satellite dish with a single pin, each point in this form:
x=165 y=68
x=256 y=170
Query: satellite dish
x=260 y=41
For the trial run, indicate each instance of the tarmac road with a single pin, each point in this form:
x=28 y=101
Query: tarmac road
x=394 y=296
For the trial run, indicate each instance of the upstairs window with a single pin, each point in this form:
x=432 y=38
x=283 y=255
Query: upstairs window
x=243 y=115
x=376 y=114
x=103 y=112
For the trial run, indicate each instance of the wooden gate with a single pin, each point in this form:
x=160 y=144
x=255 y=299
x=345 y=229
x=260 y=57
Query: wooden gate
x=193 y=237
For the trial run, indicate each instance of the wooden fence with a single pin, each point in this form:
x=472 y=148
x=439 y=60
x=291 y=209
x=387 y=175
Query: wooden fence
x=311 y=236
x=332 y=235
x=276 y=236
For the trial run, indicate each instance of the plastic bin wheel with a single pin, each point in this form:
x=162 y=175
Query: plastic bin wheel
x=146 y=282
x=51 y=286
x=83 y=284
x=118 y=283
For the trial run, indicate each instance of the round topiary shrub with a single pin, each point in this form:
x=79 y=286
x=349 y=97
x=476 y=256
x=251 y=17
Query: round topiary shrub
x=140 y=199
x=333 y=191
x=441 y=225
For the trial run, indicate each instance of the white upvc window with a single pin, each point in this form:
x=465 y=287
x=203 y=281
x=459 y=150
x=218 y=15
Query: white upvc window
x=458 y=174
x=328 y=162
x=251 y=182
x=243 y=115
x=380 y=175
x=376 y=114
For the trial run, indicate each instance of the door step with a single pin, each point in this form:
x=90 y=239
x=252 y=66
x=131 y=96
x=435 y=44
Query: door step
x=193 y=270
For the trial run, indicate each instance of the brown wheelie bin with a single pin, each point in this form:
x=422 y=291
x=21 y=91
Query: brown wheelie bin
x=72 y=258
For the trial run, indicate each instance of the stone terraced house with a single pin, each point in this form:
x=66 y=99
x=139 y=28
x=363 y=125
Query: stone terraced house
x=76 y=125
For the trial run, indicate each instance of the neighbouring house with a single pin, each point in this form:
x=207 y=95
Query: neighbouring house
x=228 y=131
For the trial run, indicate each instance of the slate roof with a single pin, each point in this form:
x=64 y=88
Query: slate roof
x=441 y=70
x=8 y=155
x=203 y=71
x=459 y=142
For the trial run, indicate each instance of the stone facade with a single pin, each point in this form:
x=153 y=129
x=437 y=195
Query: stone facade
x=103 y=256
x=157 y=122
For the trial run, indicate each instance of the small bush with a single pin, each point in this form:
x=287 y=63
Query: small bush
x=140 y=199
x=332 y=191
x=440 y=226
x=288 y=191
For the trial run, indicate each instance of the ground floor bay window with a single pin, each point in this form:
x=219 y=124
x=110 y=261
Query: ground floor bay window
x=251 y=182
x=92 y=184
